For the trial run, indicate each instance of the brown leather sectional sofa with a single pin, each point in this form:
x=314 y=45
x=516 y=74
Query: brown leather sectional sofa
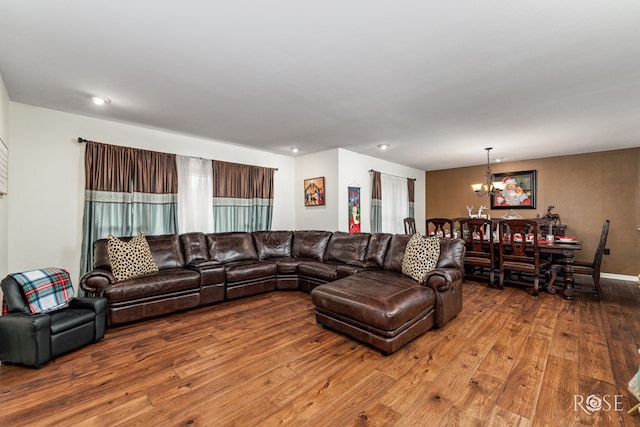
x=197 y=269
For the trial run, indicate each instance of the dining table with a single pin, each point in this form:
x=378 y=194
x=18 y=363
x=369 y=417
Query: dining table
x=563 y=253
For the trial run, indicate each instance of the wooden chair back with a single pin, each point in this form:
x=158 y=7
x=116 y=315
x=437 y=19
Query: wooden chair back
x=517 y=254
x=480 y=254
x=512 y=240
x=438 y=226
x=597 y=258
x=409 y=225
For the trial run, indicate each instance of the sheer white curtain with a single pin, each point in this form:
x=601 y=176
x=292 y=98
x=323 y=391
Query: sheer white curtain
x=395 y=203
x=195 y=195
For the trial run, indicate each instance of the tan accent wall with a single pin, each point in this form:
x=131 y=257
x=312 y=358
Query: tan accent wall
x=585 y=189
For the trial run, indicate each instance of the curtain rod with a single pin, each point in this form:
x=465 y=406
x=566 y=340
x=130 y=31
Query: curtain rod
x=397 y=176
x=81 y=140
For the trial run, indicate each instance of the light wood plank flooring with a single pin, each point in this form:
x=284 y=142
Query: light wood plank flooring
x=508 y=358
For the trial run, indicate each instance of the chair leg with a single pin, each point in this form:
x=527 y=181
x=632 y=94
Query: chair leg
x=501 y=280
x=536 y=281
x=596 y=283
x=553 y=275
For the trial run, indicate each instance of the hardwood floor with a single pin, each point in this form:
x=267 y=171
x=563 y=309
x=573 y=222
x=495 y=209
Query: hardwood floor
x=508 y=358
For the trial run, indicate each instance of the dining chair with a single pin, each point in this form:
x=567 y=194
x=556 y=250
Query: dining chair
x=479 y=261
x=410 y=226
x=437 y=226
x=519 y=255
x=589 y=268
x=456 y=224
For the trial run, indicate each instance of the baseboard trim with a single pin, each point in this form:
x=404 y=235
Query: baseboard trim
x=619 y=277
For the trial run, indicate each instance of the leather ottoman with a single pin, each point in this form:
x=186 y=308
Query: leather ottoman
x=383 y=314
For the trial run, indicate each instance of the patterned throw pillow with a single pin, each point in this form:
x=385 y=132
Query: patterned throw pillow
x=420 y=256
x=130 y=259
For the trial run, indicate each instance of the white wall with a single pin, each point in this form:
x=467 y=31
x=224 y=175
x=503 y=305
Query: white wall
x=342 y=169
x=317 y=165
x=4 y=200
x=46 y=180
x=354 y=172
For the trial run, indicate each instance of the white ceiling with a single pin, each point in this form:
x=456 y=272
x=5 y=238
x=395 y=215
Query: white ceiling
x=436 y=80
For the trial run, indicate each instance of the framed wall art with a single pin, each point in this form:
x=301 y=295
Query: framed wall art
x=354 y=209
x=314 y=191
x=519 y=191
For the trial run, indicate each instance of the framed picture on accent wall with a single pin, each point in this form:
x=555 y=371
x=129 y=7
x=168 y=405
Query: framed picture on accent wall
x=519 y=191
x=314 y=191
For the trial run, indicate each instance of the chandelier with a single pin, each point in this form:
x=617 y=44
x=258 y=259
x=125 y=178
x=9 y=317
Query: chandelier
x=488 y=186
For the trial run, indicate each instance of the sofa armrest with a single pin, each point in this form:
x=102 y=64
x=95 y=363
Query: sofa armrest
x=203 y=264
x=25 y=339
x=99 y=307
x=211 y=272
x=95 y=281
x=441 y=279
x=447 y=286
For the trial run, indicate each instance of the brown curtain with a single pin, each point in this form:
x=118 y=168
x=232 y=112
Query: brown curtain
x=126 y=191
x=376 y=202
x=155 y=192
x=155 y=172
x=108 y=167
x=242 y=197
x=411 y=185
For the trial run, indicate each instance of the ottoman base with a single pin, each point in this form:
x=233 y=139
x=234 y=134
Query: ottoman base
x=377 y=338
x=385 y=312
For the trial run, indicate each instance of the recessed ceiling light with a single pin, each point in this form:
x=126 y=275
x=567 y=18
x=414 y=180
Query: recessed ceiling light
x=100 y=100
x=383 y=146
x=295 y=149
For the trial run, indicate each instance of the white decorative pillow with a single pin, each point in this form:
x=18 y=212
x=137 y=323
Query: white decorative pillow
x=421 y=256
x=130 y=259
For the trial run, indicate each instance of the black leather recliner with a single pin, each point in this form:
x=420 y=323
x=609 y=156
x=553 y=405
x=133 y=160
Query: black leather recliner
x=34 y=339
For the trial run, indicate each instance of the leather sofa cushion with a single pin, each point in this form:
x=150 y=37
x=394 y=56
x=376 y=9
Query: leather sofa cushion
x=165 y=250
x=195 y=247
x=310 y=244
x=273 y=244
x=451 y=254
x=231 y=247
x=344 y=247
x=247 y=270
x=325 y=271
x=395 y=254
x=371 y=298
x=377 y=248
x=153 y=284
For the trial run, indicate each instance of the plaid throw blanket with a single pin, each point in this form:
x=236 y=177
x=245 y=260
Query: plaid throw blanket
x=46 y=289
